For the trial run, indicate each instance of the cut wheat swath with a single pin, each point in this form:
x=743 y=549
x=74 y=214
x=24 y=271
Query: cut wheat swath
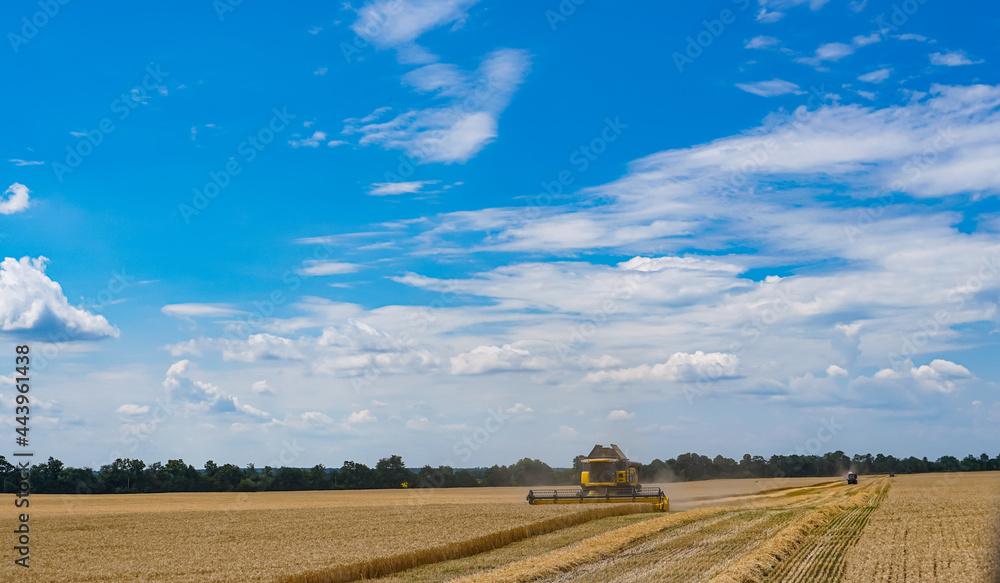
x=385 y=565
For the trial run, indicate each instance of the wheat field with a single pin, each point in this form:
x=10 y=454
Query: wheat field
x=909 y=528
x=933 y=527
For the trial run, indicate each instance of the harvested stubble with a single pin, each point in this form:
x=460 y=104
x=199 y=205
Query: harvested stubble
x=758 y=565
x=588 y=550
x=530 y=547
x=932 y=527
x=821 y=558
x=686 y=546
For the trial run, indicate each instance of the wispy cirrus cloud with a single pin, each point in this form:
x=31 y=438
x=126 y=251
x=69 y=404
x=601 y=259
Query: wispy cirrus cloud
x=465 y=124
x=319 y=267
x=761 y=42
x=876 y=76
x=397 y=24
x=389 y=188
x=771 y=88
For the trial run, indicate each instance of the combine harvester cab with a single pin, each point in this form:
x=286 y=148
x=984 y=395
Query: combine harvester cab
x=607 y=477
x=852 y=478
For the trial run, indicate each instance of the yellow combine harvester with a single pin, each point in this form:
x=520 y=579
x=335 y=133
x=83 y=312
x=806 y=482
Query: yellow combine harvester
x=608 y=476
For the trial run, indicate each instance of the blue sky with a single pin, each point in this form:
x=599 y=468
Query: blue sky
x=467 y=232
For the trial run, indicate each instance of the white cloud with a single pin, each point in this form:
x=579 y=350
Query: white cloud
x=417 y=424
x=387 y=188
x=865 y=40
x=315 y=417
x=312 y=141
x=941 y=376
x=876 y=76
x=952 y=59
x=320 y=267
x=465 y=124
x=398 y=23
x=321 y=71
x=132 y=409
x=911 y=36
x=335 y=143
x=20 y=162
x=261 y=388
x=197 y=310
x=768 y=17
x=363 y=416
x=15 y=199
x=828 y=52
x=519 y=409
x=258 y=347
x=203 y=397
x=761 y=42
x=620 y=415
x=771 y=88
x=568 y=433
x=835 y=371
x=31 y=302
x=681 y=366
x=482 y=359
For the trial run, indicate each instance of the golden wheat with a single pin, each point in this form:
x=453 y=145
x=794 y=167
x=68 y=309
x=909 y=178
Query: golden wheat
x=932 y=527
x=270 y=536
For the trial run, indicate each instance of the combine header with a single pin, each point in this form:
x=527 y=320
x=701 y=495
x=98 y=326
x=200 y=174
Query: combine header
x=608 y=476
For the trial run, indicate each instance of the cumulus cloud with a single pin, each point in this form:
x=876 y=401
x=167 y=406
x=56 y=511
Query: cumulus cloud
x=942 y=376
x=483 y=359
x=30 y=302
x=835 y=371
x=467 y=121
x=315 y=417
x=952 y=59
x=363 y=416
x=620 y=415
x=15 y=199
x=417 y=424
x=681 y=366
x=312 y=141
x=261 y=388
x=771 y=88
x=258 y=347
x=203 y=397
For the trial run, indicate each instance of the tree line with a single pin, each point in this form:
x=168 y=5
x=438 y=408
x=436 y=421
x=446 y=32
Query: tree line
x=134 y=476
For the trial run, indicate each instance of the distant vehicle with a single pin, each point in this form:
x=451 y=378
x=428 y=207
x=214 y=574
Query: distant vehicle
x=892 y=474
x=852 y=478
